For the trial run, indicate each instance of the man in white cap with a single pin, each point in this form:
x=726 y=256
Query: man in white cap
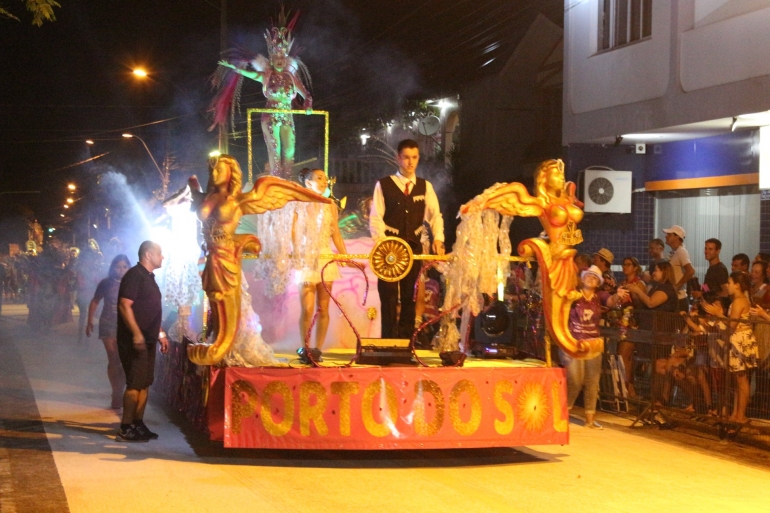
x=679 y=259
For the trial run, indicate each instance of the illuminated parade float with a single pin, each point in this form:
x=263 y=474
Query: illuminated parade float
x=251 y=392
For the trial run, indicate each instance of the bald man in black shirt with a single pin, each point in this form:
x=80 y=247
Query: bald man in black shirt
x=141 y=310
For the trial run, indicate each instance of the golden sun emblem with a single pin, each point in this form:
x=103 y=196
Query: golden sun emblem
x=532 y=405
x=391 y=259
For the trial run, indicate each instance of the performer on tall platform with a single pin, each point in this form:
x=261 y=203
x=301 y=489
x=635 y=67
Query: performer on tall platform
x=400 y=205
x=283 y=77
x=321 y=219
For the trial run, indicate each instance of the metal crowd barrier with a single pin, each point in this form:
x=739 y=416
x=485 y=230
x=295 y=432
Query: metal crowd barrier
x=679 y=375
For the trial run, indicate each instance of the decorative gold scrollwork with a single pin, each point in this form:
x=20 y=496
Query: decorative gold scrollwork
x=391 y=259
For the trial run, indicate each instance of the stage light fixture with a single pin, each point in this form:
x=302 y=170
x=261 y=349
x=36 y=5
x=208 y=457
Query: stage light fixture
x=496 y=341
x=305 y=355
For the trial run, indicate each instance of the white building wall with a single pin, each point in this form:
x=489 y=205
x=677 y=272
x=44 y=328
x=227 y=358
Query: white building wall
x=706 y=59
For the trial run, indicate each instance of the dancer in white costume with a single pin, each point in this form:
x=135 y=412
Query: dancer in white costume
x=319 y=220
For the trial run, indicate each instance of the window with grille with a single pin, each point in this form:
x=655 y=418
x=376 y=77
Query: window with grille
x=623 y=21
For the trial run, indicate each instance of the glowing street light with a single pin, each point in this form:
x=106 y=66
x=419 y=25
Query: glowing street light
x=66 y=206
x=70 y=201
x=89 y=142
x=139 y=72
x=71 y=186
x=163 y=176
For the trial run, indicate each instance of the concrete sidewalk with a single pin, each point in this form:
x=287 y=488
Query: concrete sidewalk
x=614 y=469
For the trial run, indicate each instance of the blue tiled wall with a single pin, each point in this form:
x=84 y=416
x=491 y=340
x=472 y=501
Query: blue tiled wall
x=623 y=234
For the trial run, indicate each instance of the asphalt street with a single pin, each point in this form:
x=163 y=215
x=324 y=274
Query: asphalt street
x=58 y=453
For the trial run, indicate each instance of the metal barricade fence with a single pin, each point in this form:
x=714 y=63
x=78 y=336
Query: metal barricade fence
x=690 y=366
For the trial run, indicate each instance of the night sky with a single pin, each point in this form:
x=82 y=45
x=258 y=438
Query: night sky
x=70 y=80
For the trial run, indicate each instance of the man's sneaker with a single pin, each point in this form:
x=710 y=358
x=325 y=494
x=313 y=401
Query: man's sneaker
x=143 y=430
x=130 y=435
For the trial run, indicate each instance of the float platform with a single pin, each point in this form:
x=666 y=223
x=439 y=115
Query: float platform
x=485 y=403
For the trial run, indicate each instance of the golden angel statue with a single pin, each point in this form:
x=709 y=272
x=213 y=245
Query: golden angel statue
x=220 y=209
x=558 y=210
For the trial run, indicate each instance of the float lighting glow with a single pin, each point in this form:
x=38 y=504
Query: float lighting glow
x=66 y=206
x=127 y=136
x=364 y=138
x=215 y=153
x=182 y=250
x=61 y=215
x=89 y=142
x=139 y=72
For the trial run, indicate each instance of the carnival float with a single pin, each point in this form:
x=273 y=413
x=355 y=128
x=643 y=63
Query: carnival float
x=247 y=392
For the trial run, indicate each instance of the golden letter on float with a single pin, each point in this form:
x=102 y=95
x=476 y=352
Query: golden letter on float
x=420 y=389
x=506 y=426
x=282 y=389
x=559 y=424
x=345 y=389
x=308 y=412
x=388 y=405
x=470 y=427
x=239 y=410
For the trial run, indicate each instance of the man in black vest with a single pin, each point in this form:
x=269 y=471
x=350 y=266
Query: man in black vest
x=400 y=204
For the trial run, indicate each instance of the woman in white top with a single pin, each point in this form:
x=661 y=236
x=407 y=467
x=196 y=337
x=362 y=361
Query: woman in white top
x=311 y=291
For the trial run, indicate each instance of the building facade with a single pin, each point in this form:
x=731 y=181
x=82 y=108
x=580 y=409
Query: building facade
x=675 y=92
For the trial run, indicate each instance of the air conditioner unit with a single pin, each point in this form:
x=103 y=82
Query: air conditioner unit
x=607 y=191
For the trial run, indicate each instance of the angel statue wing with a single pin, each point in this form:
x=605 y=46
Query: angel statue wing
x=272 y=193
x=510 y=199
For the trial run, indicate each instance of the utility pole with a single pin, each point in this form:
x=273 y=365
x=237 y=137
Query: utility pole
x=223 y=142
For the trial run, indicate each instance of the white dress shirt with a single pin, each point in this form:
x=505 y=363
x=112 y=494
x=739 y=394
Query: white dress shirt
x=432 y=211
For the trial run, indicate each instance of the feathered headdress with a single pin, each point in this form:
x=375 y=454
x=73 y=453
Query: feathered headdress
x=278 y=38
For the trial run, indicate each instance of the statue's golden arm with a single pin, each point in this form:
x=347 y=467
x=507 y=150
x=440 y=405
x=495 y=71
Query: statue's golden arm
x=272 y=193
x=511 y=199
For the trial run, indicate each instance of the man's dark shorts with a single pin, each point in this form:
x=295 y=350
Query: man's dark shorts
x=139 y=366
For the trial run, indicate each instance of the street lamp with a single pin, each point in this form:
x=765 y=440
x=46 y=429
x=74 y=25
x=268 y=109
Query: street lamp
x=163 y=176
x=139 y=72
